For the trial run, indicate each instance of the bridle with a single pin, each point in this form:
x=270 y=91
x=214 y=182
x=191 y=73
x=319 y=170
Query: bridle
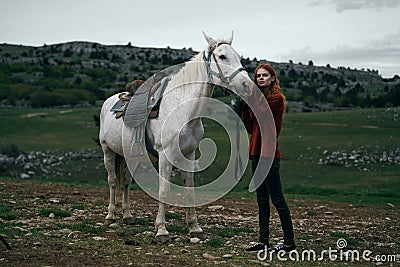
x=225 y=82
x=210 y=73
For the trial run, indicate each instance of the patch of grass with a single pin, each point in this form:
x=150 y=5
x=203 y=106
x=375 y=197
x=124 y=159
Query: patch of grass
x=170 y=216
x=140 y=221
x=178 y=229
x=45 y=212
x=303 y=190
x=86 y=226
x=78 y=206
x=7 y=213
x=56 y=130
x=215 y=242
x=378 y=195
x=10 y=150
x=311 y=213
x=9 y=230
x=350 y=240
x=339 y=234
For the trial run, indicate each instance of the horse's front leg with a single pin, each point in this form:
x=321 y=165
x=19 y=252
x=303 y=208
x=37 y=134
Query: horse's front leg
x=165 y=169
x=191 y=217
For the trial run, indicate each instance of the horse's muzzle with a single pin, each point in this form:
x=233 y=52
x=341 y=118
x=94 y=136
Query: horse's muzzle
x=246 y=89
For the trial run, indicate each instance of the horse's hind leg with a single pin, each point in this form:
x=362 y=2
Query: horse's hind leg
x=127 y=217
x=191 y=217
x=109 y=163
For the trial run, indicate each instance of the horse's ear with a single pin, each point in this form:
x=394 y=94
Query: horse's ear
x=211 y=42
x=230 y=39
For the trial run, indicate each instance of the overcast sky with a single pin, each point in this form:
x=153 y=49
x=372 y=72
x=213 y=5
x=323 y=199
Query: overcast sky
x=357 y=34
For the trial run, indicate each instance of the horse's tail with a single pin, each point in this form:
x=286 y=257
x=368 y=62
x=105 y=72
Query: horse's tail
x=119 y=172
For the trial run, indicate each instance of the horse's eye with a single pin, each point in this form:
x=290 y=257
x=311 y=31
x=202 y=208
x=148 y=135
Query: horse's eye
x=222 y=57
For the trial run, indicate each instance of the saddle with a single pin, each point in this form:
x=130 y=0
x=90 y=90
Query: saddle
x=142 y=101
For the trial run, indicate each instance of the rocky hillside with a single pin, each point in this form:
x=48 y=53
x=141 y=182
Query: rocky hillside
x=84 y=72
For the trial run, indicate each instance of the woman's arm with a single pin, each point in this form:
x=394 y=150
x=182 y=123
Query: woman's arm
x=247 y=117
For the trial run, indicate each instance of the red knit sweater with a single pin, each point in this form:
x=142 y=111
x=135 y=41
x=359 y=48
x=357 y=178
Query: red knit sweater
x=276 y=103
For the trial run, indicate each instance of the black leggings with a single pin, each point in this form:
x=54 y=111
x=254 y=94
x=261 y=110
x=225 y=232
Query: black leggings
x=271 y=188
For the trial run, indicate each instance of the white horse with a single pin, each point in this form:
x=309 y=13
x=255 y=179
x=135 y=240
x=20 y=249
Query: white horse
x=218 y=64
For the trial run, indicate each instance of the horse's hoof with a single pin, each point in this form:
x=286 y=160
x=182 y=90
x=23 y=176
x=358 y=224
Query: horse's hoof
x=162 y=239
x=129 y=221
x=108 y=222
x=199 y=235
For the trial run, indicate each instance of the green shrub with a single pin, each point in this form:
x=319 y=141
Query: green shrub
x=215 y=242
x=7 y=213
x=10 y=150
x=57 y=212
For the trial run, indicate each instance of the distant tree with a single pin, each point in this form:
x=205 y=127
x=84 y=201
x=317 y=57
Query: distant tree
x=337 y=92
x=134 y=68
x=367 y=101
x=115 y=58
x=129 y=44
x=78 y=80
x=310 y=63
x=309 y=100
x=323 y=95
x=99 y=55
x=45 y=61
x=314 y=76
x=393 y=96
x=68 y=53
x=342 y=102
x=341 y=83
x=47 y=71
x=358 y=88
x=328 y=65
x=329 y=78
x=292 y=73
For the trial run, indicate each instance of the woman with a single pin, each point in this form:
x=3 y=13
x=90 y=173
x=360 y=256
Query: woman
x=267 y=81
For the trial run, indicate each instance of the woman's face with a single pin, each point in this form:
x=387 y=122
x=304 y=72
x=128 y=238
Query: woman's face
x=264 y=78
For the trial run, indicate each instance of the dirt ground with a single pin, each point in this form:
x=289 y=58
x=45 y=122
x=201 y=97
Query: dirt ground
x=41 y=235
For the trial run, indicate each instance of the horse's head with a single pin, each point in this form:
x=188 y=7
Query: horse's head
x=224 y=67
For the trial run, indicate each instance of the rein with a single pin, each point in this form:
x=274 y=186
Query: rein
x=210 y=73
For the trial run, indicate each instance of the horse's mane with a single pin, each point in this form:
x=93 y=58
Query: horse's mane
x=192 y=71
